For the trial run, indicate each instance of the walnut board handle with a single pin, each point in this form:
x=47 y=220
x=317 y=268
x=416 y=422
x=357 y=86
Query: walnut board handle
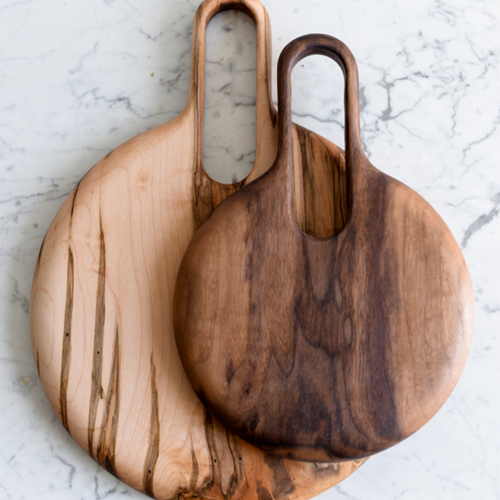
x=329 y=348
x=101 y=302
x=319 y=196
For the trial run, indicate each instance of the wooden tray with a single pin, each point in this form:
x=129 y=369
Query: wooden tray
x=101 y=300
x=323 y=348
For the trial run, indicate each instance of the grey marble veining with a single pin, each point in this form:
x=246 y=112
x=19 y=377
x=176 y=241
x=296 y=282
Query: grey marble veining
x=79 y=78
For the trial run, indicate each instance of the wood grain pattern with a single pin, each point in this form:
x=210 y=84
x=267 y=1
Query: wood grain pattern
x=97 y=352
x=107 y=439
x=101 y=303
x=323 y=348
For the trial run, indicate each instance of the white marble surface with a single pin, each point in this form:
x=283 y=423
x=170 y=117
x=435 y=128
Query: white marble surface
x=79 y=78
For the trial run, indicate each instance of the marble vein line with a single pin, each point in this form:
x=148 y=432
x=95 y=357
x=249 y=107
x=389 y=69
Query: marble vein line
x=482 y=221
x=72 y=470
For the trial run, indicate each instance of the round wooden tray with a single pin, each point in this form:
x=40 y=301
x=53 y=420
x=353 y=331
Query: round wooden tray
x=324 y=348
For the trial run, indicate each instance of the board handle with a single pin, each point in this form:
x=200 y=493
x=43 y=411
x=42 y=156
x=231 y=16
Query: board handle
x=257 y=12
x=335 y=49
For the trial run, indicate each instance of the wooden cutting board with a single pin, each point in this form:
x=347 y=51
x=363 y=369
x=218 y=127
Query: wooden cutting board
x=323 y=348
x=101 y=300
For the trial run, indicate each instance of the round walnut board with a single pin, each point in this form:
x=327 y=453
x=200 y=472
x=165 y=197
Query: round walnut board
x=332 y=348
x=101 y=300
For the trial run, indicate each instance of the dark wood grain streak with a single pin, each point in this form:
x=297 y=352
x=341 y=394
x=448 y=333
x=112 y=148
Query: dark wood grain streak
x=195 y=469
x=331 y=348
x=40 y=251
x=107 y=441
x=75 y=191
x=282 y=482
x=262 y=492
x=66 y=343
x=154 y=437
x=223 y=482
x=97 y=355
x=73 y=202
x=68 y=315
x=220 y=483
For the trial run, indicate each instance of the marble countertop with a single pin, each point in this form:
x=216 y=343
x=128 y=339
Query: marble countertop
x=78 y=79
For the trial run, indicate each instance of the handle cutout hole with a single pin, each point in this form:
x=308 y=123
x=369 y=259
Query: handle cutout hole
x=318 y=97
x=319 y=187
x=230 y=90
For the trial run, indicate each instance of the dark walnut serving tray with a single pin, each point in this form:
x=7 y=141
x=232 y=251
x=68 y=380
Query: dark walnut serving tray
x=323 y=348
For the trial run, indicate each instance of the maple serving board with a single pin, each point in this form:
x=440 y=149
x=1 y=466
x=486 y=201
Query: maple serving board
x=101 y=300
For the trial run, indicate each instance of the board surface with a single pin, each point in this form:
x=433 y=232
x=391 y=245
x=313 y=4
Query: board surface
x=327 y=348
x=101 y=301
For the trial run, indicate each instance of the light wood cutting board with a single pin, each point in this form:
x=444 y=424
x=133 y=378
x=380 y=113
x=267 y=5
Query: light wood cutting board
x=101 y=300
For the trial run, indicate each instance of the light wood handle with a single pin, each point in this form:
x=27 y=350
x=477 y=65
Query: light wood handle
x=258 y=13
